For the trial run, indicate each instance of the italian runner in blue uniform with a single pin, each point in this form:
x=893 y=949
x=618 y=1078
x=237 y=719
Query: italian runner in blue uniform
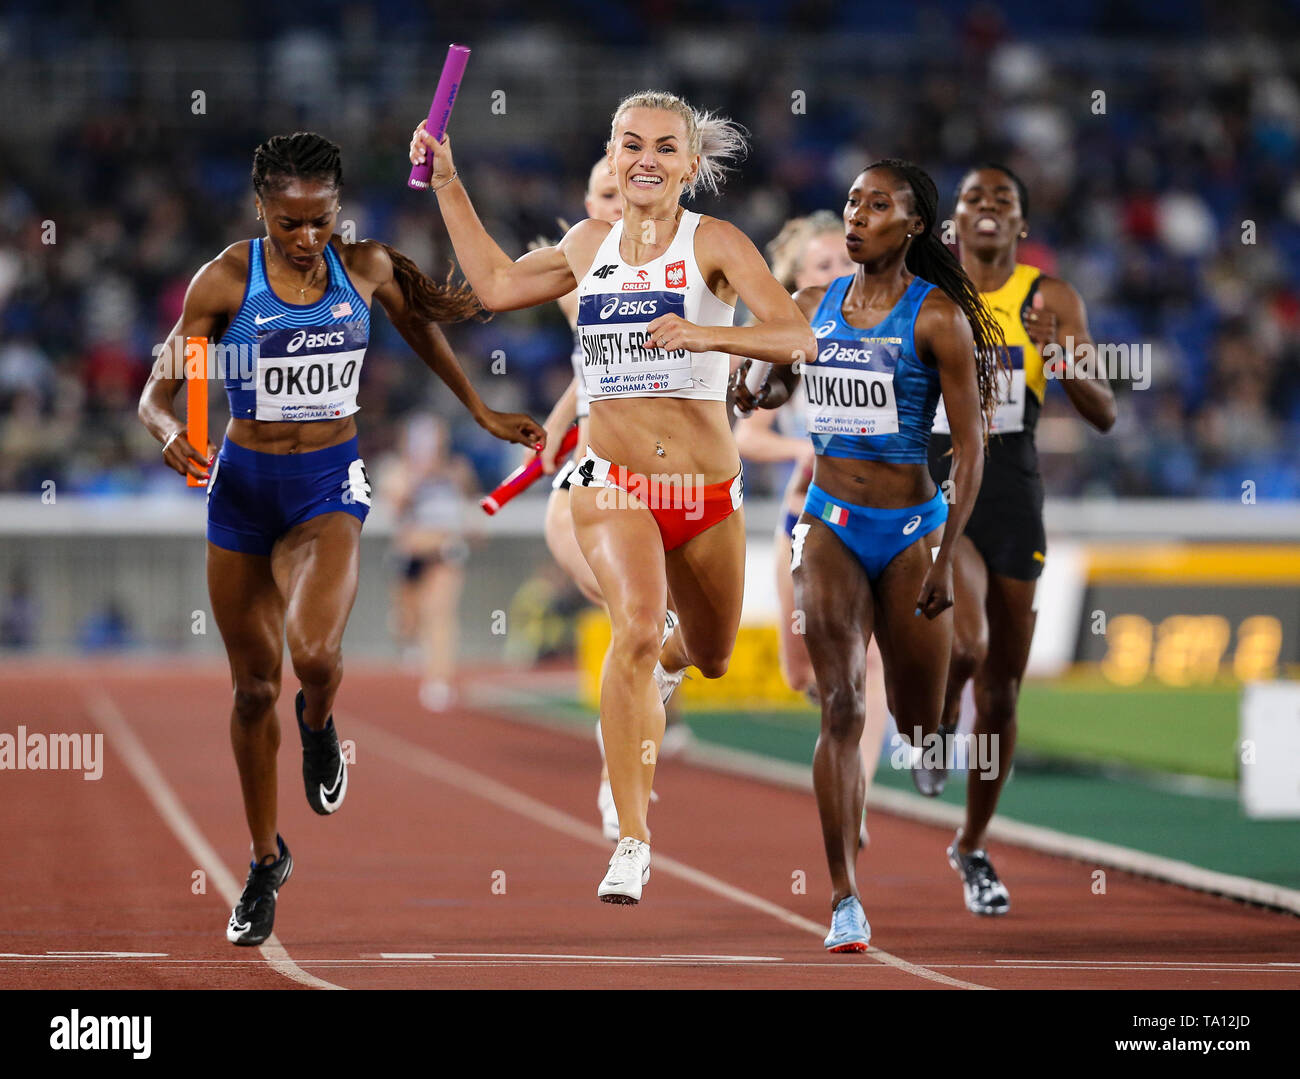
x=290 y=313
x=872 y=552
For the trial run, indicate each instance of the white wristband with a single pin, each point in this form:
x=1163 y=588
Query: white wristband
x=174 y=436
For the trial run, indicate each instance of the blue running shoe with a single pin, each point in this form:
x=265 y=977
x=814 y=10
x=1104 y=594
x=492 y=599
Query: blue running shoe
x=849 y=929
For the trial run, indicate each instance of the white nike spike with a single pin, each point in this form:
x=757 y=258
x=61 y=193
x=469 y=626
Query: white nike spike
x=629 y=869
x=329 y=802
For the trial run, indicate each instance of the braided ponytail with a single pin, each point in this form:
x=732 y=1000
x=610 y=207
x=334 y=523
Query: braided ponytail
x=429 y=301
x=928 y=258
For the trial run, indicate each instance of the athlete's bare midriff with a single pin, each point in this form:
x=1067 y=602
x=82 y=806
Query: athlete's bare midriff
x=885 y=485
x=276 y=436
x=694 y=435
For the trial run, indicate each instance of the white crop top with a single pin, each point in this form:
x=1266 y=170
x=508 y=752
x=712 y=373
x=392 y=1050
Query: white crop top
x=616 y=302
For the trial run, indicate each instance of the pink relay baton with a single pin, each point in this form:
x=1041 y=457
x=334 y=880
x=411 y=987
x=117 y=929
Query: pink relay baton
x=453 y=70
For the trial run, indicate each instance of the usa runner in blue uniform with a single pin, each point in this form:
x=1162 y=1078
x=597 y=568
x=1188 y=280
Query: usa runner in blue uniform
x=872 y=551
x=289 y=313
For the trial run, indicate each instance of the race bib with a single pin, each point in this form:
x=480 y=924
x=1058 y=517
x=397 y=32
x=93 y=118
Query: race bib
x=1009 y=415
x=310 y=373
x=850 y=390
x=617 y=354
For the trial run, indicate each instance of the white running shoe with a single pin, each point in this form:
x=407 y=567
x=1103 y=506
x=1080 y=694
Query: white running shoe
x=608 y=811
x=670 y=624
x=629 y=869
x=666 y=682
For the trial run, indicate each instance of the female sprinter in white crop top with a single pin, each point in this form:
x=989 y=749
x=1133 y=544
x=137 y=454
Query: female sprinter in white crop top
x=656 y=496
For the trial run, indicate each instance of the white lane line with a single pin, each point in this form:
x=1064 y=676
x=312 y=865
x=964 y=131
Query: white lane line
x=515 y=706
x=1148 y=962
x=109 y=717
x=1005 y=830
x=77 y=957
x=426 y=762
x=543 y=956
x=454 y=959
x=1120 y=968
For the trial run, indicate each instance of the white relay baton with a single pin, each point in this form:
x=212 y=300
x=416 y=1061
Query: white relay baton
x=755 y=380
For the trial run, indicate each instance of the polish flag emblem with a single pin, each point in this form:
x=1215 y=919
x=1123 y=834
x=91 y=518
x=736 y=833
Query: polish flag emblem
x=675 y=274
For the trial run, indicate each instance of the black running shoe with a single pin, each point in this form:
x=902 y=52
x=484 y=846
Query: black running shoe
x=928 y=777
x=985 y=893
x=324 y=771
x=253 y=918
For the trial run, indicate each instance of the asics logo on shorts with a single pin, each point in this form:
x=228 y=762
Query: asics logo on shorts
x=912 y=525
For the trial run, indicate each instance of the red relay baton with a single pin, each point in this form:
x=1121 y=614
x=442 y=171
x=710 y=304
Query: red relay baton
x=525 y=475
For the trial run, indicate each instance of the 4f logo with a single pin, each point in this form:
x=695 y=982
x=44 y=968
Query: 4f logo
x=675 y=274
x=605 y=271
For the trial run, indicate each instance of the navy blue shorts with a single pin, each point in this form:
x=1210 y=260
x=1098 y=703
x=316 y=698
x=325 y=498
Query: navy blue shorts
x=875 y=536
x=255 y=498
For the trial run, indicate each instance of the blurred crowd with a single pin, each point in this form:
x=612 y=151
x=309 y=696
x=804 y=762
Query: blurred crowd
x=1160 y=155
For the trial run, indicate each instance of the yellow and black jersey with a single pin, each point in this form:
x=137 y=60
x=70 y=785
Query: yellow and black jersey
x=1006 y=525
x=1021 y=389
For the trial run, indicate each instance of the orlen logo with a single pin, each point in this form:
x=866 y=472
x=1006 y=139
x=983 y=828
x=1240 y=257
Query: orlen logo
x=844 y=354
x=314 y=340
x=629 y=307
x=824 y=329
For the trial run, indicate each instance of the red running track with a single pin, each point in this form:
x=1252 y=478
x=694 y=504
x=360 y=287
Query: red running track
x=468 y=853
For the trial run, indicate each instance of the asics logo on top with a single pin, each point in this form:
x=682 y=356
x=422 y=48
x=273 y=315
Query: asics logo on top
x=269 y=318
x=314 y=340
x=605 y=271
x=844 y=354
x=629 y=307
x=824 y=330
x=912 y=526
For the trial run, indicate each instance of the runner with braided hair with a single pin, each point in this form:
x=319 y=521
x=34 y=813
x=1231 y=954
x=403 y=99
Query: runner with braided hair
x=871 y=554
x=290 y=313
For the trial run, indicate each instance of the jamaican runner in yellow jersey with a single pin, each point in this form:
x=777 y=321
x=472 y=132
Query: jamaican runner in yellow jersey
x=1001 y=554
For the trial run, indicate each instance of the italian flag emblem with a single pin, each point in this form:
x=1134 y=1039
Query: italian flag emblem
x=836 y=515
